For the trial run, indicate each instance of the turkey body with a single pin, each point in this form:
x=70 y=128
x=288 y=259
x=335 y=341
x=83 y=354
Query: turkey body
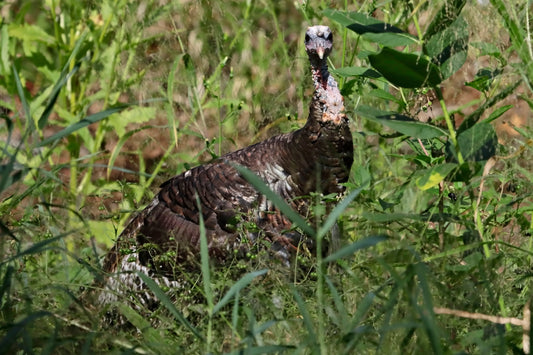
x=315 y=158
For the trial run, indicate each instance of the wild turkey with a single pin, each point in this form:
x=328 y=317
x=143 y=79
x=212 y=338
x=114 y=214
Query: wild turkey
x=315 y=158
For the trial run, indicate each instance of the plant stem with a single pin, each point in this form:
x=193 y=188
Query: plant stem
x=449 y=124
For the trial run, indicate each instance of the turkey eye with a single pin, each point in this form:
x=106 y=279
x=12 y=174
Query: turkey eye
x=330 y=37
x=307 y=38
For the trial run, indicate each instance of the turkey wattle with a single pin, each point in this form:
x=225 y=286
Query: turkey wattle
x=315 y=158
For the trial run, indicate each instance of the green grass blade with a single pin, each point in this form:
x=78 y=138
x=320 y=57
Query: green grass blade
x=165 y=301
x=266 y=349
x=204 y=257
x=425 y=310
x=54 y=95
x=30 y=126
x=81 y=124
x=342 y=312
x=6 y=284
x=519 y=38
x=118 y=147
x=14 y=329
x=308 y=321
x=355 y=246
x=363 y=306
x=337 y=211
x=5 y=230
x=262 y=188
x=237 y=287
x=64 y=77
x=36 y=248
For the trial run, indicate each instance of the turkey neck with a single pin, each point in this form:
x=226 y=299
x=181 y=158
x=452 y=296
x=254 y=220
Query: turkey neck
x=327 y=104
x=325 y=140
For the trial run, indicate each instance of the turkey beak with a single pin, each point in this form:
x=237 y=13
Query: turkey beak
x=320 y=52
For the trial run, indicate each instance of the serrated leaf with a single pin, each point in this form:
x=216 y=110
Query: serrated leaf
x=400 y=123
x=30 y=33
x=119 y=121
x=405 y=69
x=433 y=176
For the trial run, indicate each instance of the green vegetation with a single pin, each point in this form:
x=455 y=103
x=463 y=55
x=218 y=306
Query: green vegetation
x=102 y=101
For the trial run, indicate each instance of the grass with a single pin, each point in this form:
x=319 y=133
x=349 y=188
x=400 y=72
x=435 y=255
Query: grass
x=101 y=102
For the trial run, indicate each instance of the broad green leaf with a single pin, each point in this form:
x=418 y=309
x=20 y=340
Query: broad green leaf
x=433 y=176
x=390 y=39
x=237 y=287
x=356 y=246
x=478 y=143
x=402 y=124
x=356 y=71
x=405 y=69
x=371 y=29
x=359 y=22
x=448 y=48
x=447 y=14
